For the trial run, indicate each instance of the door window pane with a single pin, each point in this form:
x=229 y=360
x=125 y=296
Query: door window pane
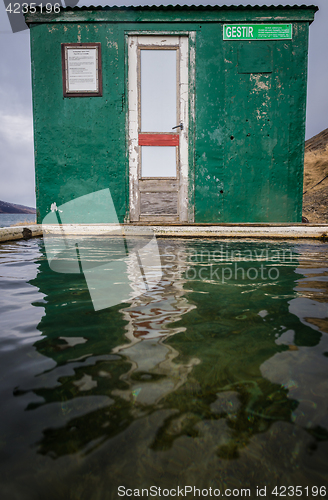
x=158 y=161
x=158 y=90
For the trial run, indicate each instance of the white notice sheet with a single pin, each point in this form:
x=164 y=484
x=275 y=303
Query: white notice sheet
x=82 y=69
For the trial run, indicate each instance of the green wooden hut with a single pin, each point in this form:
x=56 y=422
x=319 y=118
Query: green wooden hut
x=186 y=113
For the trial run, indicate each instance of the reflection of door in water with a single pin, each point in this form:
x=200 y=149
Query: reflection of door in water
x=158 y=127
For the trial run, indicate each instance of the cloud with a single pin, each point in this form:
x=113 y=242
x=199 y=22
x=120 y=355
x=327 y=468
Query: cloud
x=17 y=159
x=16 y=130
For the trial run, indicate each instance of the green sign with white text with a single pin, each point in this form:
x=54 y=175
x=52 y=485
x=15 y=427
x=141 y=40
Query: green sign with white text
x=257 y=31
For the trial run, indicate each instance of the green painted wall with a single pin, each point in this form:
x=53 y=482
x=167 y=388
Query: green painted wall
x=79 y=142
x=247 y=139
x=250 y=128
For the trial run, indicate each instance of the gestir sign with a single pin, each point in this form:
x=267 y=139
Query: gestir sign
x=257 y=31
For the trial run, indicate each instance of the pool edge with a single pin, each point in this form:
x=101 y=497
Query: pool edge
x=221 y=231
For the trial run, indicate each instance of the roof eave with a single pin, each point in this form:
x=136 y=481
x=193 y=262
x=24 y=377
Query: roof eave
x=183 y=13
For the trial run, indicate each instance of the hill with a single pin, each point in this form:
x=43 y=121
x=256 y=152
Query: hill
x=318 y=141
x=315 y=198
x=11 y=208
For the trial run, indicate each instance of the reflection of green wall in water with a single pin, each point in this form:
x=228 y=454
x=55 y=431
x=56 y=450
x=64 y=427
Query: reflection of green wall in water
x=247 y=133
x=69 y=313
x=232 y=330
x=224 y=332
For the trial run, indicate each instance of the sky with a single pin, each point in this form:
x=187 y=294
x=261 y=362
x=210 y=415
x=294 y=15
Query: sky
x=16 y=121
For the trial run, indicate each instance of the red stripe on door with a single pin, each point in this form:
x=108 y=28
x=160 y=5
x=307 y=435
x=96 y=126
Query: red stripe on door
x=158 y=139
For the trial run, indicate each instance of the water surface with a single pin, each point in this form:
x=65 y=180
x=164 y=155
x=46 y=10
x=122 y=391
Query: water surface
x=7 y=220
x=215 y=378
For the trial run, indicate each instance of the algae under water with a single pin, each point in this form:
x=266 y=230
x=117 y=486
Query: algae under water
x=216 y=378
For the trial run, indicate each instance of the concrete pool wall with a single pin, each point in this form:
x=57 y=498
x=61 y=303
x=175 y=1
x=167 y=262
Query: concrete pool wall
x=272 y=231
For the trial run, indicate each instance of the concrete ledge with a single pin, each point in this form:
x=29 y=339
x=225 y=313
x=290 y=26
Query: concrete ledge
x=240 y=231
x=279 y=231
x=20 y=232
x=270 y=231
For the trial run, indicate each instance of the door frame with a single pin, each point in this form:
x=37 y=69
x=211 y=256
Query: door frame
x=135 y=42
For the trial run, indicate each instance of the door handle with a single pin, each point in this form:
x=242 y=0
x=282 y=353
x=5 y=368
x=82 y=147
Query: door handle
x=178 y=126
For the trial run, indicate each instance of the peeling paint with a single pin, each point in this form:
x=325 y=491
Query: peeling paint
x=112 y=43
x=259 y=83
x=217 y=135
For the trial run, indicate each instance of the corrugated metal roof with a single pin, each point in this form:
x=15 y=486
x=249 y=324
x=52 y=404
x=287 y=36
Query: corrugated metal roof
x=194 y=7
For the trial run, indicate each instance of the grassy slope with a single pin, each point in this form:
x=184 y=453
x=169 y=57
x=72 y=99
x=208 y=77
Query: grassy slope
x=315 y=200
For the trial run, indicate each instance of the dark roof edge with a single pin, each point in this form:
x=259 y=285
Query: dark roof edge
x=183 y=13
x=192 y=7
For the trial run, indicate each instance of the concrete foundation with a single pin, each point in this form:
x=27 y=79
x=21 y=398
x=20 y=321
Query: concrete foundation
x=20 y=232
x=270 y=231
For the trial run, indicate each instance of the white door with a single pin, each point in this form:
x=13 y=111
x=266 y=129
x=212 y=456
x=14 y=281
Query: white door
x=158 y=127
